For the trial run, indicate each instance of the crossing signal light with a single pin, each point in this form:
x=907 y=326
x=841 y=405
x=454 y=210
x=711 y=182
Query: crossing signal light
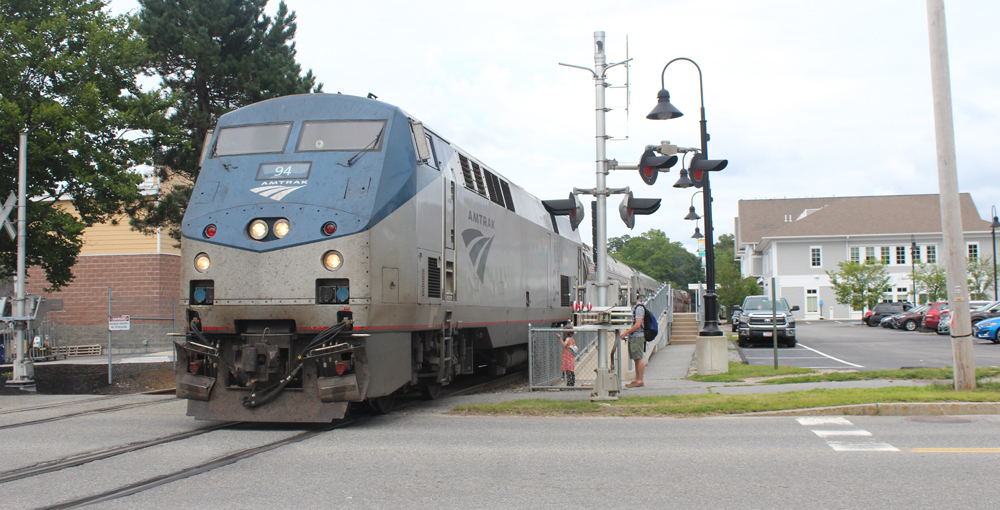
x=650 y=165
x=632 y=206
x=571 y=207
x=699 y=165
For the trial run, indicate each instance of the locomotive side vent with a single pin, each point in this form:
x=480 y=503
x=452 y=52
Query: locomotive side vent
x=493 y=184
x=467 y=172
x=478 y=174
x=506 y=195
x=563 y=290
x=433 y=278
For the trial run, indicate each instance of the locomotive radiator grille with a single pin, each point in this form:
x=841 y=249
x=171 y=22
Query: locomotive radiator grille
x=433 y=278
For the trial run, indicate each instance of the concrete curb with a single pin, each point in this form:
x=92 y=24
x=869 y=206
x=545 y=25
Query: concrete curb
x=892 y=409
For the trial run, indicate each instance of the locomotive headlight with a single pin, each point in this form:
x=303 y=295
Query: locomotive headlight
x=202 y=262
x=258 y=229
x=332 y=260
x=281 y=228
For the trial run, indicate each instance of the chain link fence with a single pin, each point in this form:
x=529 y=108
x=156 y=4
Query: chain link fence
x=146 y=345
x=547 y=358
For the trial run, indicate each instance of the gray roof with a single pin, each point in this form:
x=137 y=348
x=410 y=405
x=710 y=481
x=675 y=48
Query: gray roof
x=837 y=216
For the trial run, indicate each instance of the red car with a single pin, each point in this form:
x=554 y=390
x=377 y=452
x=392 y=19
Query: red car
x=933 y=315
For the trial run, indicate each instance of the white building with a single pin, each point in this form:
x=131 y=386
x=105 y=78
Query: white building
x=797 y=240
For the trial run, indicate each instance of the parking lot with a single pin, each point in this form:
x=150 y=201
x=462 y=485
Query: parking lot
x=850 y=345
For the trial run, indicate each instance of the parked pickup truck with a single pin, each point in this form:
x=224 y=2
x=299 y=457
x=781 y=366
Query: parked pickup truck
x=755 y=321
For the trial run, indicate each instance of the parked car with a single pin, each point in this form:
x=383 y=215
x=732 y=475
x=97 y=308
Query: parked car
x=909 y=320
x=989 y=310
x=944 y=325
x=987 y=328
x=874 y=317
x=755 y=321
x=886 y=321
x=933 y=314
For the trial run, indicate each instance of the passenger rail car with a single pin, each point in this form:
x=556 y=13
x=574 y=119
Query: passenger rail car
x=336 y=251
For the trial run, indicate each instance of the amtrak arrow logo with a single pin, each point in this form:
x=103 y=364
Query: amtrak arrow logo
x=479 y=249
x=275 y=192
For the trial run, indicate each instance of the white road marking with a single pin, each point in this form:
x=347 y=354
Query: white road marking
x=873 y=446
x=845 y=446
x=831 y=357
x=828 y=433
x=823 y=420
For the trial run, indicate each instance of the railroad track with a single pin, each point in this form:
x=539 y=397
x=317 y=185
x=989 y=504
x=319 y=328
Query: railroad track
x=223 y=461
x=85 y=413
x=84 y=458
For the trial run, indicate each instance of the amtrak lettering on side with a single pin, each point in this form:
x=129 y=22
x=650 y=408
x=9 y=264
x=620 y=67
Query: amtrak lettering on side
x=481 y=219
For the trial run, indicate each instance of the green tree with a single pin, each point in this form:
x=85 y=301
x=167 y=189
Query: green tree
x=731 y=287
x=861 y=286
x=980 y=277
x=931 y=281
x=217 y=55
x=616 y=244
x=68 y=79
x=654 y=254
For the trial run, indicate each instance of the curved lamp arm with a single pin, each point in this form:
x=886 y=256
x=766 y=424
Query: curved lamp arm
x=701 y=88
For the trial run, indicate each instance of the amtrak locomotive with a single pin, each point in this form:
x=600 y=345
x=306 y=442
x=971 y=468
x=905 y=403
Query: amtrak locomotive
x=335 y=251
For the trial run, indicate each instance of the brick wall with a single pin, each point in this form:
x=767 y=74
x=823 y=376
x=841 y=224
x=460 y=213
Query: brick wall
x=143 y=285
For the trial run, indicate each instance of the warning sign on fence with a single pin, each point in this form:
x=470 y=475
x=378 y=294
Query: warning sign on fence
x=119 y=323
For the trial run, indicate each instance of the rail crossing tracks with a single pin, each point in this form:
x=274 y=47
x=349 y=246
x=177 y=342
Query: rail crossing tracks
x=88 y=465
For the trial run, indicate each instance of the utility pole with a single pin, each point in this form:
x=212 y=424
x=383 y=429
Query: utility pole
x=951 y=216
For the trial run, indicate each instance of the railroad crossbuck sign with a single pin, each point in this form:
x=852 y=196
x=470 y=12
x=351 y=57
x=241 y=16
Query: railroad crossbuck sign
x=119 y=323
x=8 y=206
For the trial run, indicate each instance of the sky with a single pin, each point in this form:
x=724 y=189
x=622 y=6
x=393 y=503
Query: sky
x=803 y=98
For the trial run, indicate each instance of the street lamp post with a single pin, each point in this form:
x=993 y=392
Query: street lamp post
x=664 y=110
x=993 y=227
x=691 y=215
x=913 y=267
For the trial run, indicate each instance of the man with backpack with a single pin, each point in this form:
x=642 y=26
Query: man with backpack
x=637 y=336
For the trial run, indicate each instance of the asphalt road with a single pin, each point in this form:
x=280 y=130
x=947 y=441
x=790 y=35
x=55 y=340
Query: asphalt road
x=852 y=345
x=418 y=458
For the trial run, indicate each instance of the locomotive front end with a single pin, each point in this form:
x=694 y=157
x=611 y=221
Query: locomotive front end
x=276 y=263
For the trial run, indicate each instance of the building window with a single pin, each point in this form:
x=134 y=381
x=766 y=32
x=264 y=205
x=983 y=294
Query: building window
x=812 y=301
x=901 y=254
x=855 y=254
x=973 y=251
x=885 y=255
x=932 y=254
x=869 y=253
x=815 y=257
x=915 y=256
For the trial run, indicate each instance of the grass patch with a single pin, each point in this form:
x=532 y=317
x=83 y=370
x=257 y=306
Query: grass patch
x=738 y=372
x=714 y=404
x=928 y=374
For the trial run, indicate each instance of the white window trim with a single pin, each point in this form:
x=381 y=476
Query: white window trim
x=820 y=248
x=976 y=244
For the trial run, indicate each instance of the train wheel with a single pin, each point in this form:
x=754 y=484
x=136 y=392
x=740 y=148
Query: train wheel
x=430 y=391
x=382 y=405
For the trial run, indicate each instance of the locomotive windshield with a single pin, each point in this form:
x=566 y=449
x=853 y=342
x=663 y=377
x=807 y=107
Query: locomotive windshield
x=254 y=139
x=341 y=135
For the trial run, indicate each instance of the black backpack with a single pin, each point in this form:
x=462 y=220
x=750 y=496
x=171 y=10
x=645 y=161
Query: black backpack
x=649 y=327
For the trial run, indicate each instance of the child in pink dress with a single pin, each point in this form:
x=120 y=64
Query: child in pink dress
x=569 y=356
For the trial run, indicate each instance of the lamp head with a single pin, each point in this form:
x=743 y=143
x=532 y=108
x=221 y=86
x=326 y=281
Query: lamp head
x=697 y=234
x=692 y=215
x=684 y=181
x=663 y=109
x=996 y=223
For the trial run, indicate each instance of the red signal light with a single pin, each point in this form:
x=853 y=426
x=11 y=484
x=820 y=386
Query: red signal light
x=194 y=367
x=341 y=367
x=329 y=228
x=210 y=231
